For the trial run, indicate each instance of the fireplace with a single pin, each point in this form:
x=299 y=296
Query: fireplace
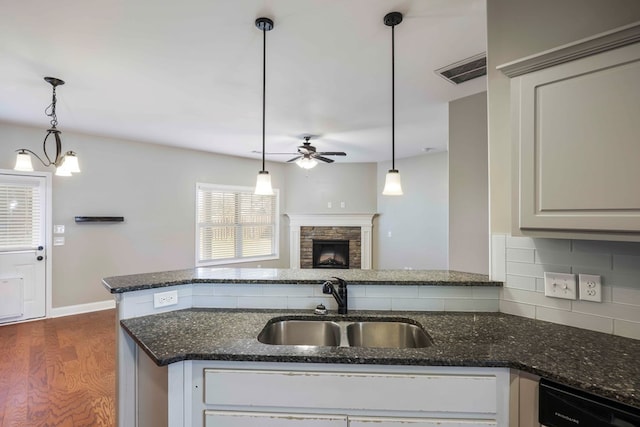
x=304 y=228
x=330 y=253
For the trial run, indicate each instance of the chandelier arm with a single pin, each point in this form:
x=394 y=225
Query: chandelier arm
x=33 y=154
x=58 y=148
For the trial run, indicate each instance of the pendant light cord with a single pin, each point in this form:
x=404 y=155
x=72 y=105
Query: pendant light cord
x=264 y=88
x=393 y=99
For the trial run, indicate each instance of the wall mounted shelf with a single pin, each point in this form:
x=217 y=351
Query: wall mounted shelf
x=82 y=219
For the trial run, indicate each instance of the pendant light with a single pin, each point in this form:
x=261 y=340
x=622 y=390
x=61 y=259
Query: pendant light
x=263 y=183
x=392 y=184
x=65 y=164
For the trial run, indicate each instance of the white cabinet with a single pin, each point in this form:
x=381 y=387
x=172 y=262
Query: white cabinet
x=576 y=133
x=271 y=419
x=414 y=422
x=279 y=419
x=242 y=394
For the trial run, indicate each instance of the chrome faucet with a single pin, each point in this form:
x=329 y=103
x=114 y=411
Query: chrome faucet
x=340 y=295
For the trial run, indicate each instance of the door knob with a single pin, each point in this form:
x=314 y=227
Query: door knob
x=40 y=258
x=40 y=248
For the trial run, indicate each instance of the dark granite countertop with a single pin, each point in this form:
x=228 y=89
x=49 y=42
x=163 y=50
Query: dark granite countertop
x=603 y=364
x=136 y=282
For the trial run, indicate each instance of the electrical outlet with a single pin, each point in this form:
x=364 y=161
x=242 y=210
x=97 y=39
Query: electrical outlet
x=163 y=299
x=560 y=285
x=590 y=287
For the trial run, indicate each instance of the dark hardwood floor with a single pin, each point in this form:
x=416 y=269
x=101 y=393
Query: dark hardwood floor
x=59 y=372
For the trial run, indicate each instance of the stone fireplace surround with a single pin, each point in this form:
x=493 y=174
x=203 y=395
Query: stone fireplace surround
x=332 y=221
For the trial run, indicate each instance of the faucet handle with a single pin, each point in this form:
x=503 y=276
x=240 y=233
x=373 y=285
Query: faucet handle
x=341 y=282
x=327 y=286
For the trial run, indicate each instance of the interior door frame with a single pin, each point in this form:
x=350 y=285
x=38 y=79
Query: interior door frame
x=48 y=235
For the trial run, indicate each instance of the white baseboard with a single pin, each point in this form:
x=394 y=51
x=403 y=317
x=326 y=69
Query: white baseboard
x=82 y=308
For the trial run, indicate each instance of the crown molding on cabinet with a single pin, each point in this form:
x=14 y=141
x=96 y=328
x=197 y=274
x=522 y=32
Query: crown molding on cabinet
x=618 y=37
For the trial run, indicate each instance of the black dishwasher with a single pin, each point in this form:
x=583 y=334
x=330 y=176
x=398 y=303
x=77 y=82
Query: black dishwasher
x=561 y=406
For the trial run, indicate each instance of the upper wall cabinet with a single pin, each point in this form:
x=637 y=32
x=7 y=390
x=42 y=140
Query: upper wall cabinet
x=576 y=130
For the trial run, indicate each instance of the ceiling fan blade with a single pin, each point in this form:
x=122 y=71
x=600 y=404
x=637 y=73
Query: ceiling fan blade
x=332 y=153
x=294 y=159
x=269 y=154
x=323 y=159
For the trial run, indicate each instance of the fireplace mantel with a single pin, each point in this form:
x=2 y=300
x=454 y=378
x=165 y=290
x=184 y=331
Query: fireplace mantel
x=364 y=221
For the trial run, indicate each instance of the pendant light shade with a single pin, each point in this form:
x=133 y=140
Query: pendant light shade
x=392 y=183
x=65 y=164
x=23 y=162
x=263 y=183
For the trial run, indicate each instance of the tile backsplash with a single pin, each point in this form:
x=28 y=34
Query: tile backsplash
x=361 y=297
x=520 y=262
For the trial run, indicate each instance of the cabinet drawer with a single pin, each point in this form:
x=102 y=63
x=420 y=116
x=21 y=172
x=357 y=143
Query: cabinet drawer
x=347 y=390
x=271 y=419
x=416 y=422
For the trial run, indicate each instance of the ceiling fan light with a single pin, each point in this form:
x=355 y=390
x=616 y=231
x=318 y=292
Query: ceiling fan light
x=392 y=184
x=307 y=162
x=71 y=162
x=23 y=162
x=263 y=184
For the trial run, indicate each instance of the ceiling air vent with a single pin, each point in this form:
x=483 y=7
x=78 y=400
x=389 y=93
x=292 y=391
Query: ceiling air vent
x=465 y=70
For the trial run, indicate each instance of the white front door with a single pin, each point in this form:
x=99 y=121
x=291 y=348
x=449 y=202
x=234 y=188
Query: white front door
x=22 y=247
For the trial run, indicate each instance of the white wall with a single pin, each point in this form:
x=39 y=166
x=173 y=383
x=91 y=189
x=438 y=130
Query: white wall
x=517 y=29
x=468 y=185
x=418 y=220
x=310 y=191
x=152 y=186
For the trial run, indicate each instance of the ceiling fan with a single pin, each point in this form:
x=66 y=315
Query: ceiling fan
x=307 y=156
x=308 y=151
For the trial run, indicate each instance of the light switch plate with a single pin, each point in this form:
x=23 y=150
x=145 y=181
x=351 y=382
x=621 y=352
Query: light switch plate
x=560 y=285
x=58 y=241
x=58 y=229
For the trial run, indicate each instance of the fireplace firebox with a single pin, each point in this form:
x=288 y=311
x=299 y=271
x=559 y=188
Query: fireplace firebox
x=330 y=253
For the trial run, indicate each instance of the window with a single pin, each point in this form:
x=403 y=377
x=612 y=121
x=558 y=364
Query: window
x=21 y=214
x=235 y=225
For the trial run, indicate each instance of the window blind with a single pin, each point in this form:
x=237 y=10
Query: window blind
x=21 y=211
x=233 y=225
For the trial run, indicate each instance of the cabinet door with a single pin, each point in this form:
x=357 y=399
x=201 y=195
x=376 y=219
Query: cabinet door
x=576 y=127
x=271 y=419
x=348 y=391
x=416 y=422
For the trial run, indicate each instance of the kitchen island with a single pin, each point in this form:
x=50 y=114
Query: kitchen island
x=271 y=289
x=198 y=339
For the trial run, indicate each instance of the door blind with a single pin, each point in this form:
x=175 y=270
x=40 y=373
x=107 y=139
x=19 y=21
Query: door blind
x=20 y=215
x=234 y=224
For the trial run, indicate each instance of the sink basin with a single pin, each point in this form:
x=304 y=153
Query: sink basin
x=344 y=333
x=301 y=332
x=387 y=335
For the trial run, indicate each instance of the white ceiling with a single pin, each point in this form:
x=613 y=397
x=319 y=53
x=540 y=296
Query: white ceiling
x=189 y=73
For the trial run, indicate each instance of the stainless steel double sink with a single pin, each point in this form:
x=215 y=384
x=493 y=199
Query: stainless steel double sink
x=378 y=333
